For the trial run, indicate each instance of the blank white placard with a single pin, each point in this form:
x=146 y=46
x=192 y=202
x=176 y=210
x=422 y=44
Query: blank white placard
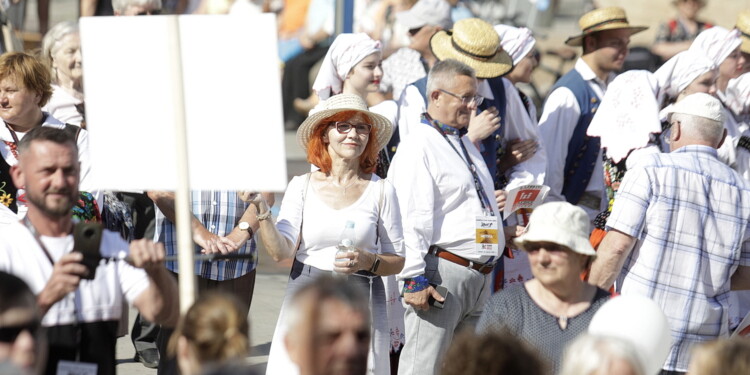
x=220 y=73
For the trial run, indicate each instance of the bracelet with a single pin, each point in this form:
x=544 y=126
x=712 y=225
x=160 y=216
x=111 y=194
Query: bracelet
x=264 y=216
x=415 y=284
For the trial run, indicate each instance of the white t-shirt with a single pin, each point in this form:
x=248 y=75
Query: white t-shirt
x=95 y=300
x=323 y=225
x=62 y=106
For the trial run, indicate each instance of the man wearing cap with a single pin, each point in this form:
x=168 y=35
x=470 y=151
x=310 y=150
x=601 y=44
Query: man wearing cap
x=678 y=232
x=446 y=193
x=411 y=63
x=574 y=160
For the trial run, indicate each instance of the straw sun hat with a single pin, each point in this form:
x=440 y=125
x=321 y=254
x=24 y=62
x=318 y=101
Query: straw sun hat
x=475 y=43
x=340 y=103
x=601 y=19
x=743 y=25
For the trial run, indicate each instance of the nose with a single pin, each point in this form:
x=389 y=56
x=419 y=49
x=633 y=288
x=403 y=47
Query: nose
x=24 y=349
x=57 y=179
x=378 y=72
x=712 y=89
x=77 y=55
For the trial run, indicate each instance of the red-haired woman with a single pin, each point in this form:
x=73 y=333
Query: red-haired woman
x=343 y=139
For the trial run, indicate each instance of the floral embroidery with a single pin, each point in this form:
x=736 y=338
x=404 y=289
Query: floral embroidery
x=416 y=284
x=5 y=198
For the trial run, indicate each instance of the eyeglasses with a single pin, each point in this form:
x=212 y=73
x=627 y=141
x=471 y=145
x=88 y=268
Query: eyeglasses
x=415 y=30
x=9 y=334
x=154 y=12
x=344 y=127
x=466 y=100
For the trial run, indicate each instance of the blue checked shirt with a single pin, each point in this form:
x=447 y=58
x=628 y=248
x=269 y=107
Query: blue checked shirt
x=219 y=211
x=689 y=213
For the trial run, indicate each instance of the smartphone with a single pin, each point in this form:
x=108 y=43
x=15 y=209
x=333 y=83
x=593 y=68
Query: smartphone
x=443 y=291
x=87 y=238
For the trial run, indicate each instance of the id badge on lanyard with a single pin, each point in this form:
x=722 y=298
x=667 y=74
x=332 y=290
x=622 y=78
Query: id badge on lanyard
x=487 y=233
x=76 y=368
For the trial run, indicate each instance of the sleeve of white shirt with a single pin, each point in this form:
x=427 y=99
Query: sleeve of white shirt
x=411 y=178
x=289 y=221
x=410 y=108
x=390 y=228
x=519 y=125
x=559 y=119
x=133 y=281
x=85 y=159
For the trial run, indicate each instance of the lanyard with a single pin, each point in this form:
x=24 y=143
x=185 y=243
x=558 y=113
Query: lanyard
x=483 y=200
x=38 y=239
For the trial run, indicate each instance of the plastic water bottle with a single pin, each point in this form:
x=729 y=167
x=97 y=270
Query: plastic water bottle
x=346 y=242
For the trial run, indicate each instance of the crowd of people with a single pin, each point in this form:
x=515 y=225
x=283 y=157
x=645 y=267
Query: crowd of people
x=418 y=132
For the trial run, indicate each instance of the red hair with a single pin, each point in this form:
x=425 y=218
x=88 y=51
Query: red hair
x=317 y=149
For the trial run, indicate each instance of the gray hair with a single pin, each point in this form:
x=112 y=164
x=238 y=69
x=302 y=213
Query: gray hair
x=445 y=71
x=51 y=42
x=589 y=353
x=702 y=128
x=120 y=6
x=322 y=289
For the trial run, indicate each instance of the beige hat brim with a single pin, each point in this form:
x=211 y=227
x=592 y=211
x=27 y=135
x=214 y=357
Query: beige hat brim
x=442 y=47
x=745 y=46
x=577 y=41
x=383 y=125
x=580 y=245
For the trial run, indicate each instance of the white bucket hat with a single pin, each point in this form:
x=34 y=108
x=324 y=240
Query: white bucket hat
x=561 y=223
x=699 y=104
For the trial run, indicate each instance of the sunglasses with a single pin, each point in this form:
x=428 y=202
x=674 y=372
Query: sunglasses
x=415 y=30
x=9 y=334
x=154 y=12
x=344 y=127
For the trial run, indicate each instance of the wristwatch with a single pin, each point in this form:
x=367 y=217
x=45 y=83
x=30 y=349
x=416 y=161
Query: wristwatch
x=375 y=265
x=245 y=226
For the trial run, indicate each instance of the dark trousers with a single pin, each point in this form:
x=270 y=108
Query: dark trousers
x=242 y=288
x=295 y=82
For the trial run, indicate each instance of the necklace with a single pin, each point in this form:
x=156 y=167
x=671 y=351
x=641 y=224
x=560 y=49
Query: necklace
x=352 y=182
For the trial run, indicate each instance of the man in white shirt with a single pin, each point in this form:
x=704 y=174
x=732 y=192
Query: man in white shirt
x=81 y=315
x=574 y=161
x=444 y=188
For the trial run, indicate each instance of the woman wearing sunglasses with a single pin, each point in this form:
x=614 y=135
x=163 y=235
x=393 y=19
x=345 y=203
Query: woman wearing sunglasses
x=21 y=345
x=342 y=139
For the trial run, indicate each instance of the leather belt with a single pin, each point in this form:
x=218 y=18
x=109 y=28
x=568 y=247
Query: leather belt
x=439 y=252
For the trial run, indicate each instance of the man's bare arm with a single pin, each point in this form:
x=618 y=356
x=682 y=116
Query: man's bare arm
x=610 y=258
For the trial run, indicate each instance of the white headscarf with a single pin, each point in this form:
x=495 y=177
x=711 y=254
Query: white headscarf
x=716 y=43
x=628 y=114
x=680 y=71
x=738 y=95
x=345 y=52
x=516 y=41
x=629 y=111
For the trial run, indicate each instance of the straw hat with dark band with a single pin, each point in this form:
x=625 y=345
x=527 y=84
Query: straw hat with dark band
x=475 y=43
x=612 y=18
x=341 y=103
x=743 y=25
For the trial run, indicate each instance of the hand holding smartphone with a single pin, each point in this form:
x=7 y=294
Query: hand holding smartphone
x=443 y=291
x=87 y=238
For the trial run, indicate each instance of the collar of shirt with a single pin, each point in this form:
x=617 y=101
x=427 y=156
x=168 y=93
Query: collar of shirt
x=698 y=149
x=426 y=119
x=484 y=90
x=587 y=74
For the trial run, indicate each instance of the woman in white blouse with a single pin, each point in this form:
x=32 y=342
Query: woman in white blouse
x=343 y=139
x=61 y=48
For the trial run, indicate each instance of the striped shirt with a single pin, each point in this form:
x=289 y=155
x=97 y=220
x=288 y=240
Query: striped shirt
x=219 y=211
x=689 y=213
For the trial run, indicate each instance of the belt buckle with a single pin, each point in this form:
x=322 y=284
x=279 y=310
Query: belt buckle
x=486 y=266
x=470 y=265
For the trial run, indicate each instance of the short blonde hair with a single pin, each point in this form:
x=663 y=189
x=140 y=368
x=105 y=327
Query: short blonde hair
x=29 y=71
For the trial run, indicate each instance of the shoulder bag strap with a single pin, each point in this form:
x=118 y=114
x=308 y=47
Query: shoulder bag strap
x=302 y=213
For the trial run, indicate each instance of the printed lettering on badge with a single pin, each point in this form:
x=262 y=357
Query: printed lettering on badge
x=487 y=235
